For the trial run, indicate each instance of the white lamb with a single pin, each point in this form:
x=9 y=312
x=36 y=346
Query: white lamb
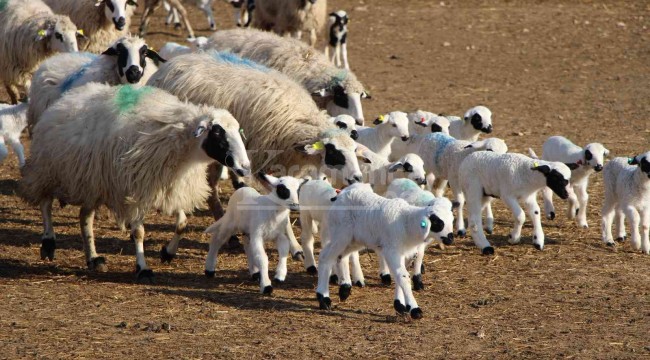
x=291 y=17
x=589 y=159
x=127 y=61
x=338 y=39
x=260 y=218
x=29 y=33
x=387 y=127
x=360 y=218
x=103 y=21
x=485 y=175
x=477 y=120
x=171 y=49
x=627 y=194
x=336 y=90
x=423 y=122
x=131 y=149
x=347 y=124
x=13 y=120
x=379 y=171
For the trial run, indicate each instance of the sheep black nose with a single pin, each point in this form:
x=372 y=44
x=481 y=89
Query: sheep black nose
x=598 y=168
x=354 y=134
x=243 y=172
x=488 y=129
x=120 y=23
x=421 y=181
x=405 y=138
x=355 y=179
x=133 y=74
x=449 y=239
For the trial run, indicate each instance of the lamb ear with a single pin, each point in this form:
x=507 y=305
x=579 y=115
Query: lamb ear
x=321 y=93
x=309 y=147
x=395 y=166
x=151 y=54
x=633 y=161
x=110 y=52
x=606 y=152
x=268 y=181
x=544 y=169
x=201 y=128
x=572 y=166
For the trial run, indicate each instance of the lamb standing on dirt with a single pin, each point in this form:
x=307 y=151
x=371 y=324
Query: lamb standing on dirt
x=291 y=17
x=485 y=175
x=103 y=21
x=131 y=149
x=387 y=128
x=360 y=218
x=627 y=193
x=590 y=159
x=477 y=120
x=336 y=90
x=260 y=218
x=29 y=33
x=13 y=120
x=338 y=39
x=127 y=61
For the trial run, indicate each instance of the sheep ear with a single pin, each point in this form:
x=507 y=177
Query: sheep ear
x=606 y=152
x=110 y=52
x=395 y=166
x=633 y=161
x=380 y=119
x=310 y=147
x=201 y=128
x=544 y=169
x=321 y=93
x=268 y=181
x=365 y=95
x=480 y=145
x=80 y=34
x=154 y=56
x=572 y=166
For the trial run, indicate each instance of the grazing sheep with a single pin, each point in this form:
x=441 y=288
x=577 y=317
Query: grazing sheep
x=291 y=17
x=103 y=21
x=338 y=39
x=485 y=175
x=127 y=61
x=336 y=90
x=347 y=124
x=260 y=218
x=13 y=120
x=151 y=5
x=590 y=159
x=360 y=218
x=204 y=5
x=130 y=149
x=171 y=49
x=387 y=128
x=29 y=33
x=627 y=194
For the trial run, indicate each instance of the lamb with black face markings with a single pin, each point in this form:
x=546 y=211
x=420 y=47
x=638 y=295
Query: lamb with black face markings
x=589 y=159
x=389 y=128
x=485 y=175
x=260 y=218
x=627 y=194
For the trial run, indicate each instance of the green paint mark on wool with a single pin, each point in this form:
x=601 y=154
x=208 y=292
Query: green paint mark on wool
x=128 y=96
x=3 y=4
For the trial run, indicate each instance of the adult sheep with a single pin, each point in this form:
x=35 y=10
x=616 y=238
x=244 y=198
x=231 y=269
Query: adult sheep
x=131 y=149
x=336 y=90
x=291 y=17
x=29 y=33
x=103 y=21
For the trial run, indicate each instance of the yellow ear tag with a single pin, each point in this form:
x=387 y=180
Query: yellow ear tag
x=80 y=32
x=381 y=118
x=318 y=145
x=535 y=164
x=41 y=32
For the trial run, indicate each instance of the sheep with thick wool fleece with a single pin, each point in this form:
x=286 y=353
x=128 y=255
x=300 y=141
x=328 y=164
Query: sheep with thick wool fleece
x=590 y=159
x=13 y=120
x=485 y=175
x=131 y=149
x=102 y=21
x=336 y=90
x=64 y=72
x=260 y=218
x=29 y=33
x=627 y=194
x=360 y=218
x=291 y=17
x=387 y=128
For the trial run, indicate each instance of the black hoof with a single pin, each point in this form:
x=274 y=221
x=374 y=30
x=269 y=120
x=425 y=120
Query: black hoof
x=488 y=250
x=324 y=303
x=209 y=273
x=422 y=269
x=344 y=291
x=537 y=246
x=360 y=284
x=611 y=244
x=278 y=282
x=334 y=279
x=401 y=309
x=576 y=214
x=166 y=257
x=299 y=256
x=417 y=283
x=98 y=264
x=461 y=232
x=256 y=276
x=416 y=314
x=620 y=239
x=177 y=26
x=488 y=231
x=551 y=216
x=145 y=274
x=312 y=270
x=385 y=279
x=47 y=249
x=268 y=290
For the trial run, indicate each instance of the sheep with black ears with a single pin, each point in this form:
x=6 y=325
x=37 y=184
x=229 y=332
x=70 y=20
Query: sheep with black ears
x=29 y=33
x=627 y=194
x=476 y=120
x=360 y=218
x=387 y=127
x=347 y=124
x=260 y=218
x=127 y=61
x=131 y=149
x=13 y=120
x=336 y=90
x=424 y=122
x=291 y=17
x=590 y=159
x=485 y=175
x=338 y=39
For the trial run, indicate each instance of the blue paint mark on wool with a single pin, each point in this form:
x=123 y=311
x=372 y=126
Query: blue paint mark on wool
x=72 y=78
x=232 y=59
x=405 y=184
x=3 y=4
x=442 y=140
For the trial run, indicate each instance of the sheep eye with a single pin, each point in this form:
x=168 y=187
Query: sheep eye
x=58 y=36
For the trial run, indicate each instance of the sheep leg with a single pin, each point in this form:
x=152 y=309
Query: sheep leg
x=489 y=216
x=296 y=249
x=206 y=7
x=4 y=152
x=384 y=271
x=344 y=55
x=608 y=212
x=307 y=241
x=634 y=219
x=572 y=209
x=12 y=90
x=262 y=262
x=48 y=240
x=357 y=272
x=137 y=235
x=439 y=187
x=459 y=198
x=645 y=229
x=214 y=172
x=149 y=9
x=94 y=262
x=345 y=284
x=583 y=197
x=219 y=237
x=620 y=224
x=519 y=216
x=335 y=246
x=312 y=37
x=397 y=267
x=431 y=181
x=183 y=13
x=534 y=213
x=168 y=252
x=476 y=224
x=14 y=141
x=417 y=268
x=282 y=243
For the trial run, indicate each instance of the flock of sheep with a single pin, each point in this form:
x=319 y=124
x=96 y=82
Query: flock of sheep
x=123 y=126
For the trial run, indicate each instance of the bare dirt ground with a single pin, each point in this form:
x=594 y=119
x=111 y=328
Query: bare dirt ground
x=577 y=68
